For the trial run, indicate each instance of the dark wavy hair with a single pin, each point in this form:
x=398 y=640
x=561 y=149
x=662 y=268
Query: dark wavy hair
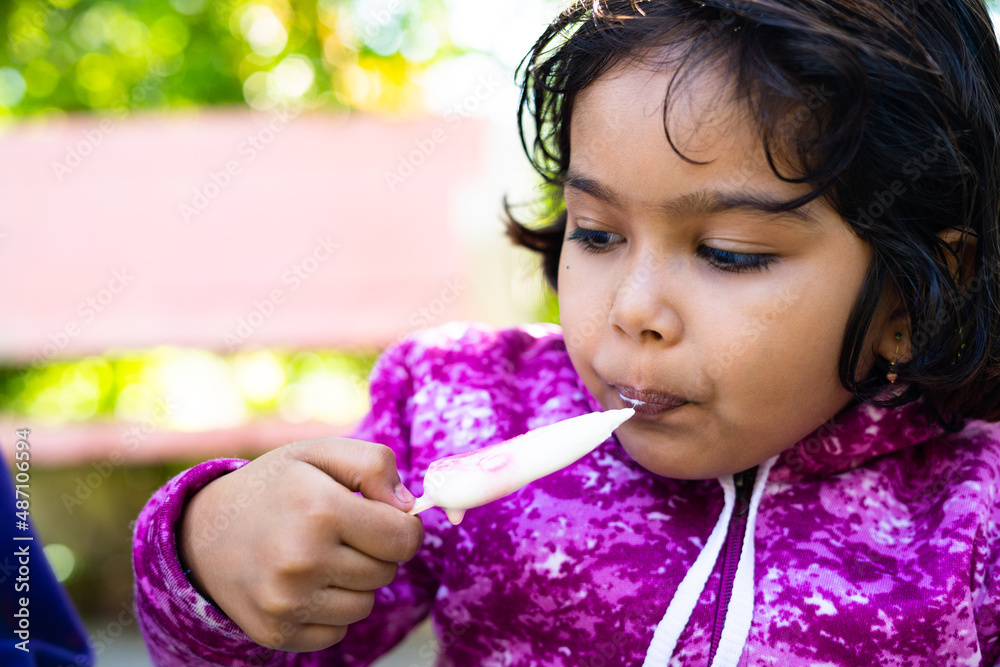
x=889 y=110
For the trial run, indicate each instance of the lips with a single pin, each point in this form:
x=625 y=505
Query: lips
x=648 y=402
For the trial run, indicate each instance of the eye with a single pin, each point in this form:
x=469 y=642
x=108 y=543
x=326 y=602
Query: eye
x=594 y=241
x=735 y=262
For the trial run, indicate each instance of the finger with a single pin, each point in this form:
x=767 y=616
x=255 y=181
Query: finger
x=360 y=466
x=350 y=569
x=300 y=638
x=375 y=529
x=317 y=637
x=335 y=606
x=280 y=617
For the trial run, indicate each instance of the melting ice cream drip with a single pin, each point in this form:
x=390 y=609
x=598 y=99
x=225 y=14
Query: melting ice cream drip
x=631 y=401
x=460 y=482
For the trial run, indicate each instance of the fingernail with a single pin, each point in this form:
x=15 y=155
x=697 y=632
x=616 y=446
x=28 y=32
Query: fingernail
x=403 y=494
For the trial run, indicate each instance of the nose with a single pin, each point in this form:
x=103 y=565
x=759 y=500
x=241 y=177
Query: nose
x=643 y=307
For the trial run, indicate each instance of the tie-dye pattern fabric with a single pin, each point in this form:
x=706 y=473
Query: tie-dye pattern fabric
x=876 y=539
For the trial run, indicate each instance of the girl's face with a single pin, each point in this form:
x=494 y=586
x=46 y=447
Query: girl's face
x=721 y=323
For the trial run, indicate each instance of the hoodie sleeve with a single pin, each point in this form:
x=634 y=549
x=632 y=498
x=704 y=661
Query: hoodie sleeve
x=183 y=629
x=180 y=626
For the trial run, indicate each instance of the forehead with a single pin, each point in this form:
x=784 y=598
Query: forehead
x=619 y=128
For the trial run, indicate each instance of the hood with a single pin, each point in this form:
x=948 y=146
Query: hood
x=853 y=437
x=856 y=435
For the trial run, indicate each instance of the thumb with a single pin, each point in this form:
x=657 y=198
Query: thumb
x=366 y=467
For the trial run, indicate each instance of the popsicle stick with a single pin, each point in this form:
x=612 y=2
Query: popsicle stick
x=422 y=503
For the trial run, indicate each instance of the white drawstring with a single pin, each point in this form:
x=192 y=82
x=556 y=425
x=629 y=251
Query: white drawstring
x=669 y=629
x=739 y=614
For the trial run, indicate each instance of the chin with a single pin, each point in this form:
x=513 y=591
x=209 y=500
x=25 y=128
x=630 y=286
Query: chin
x=654 y=458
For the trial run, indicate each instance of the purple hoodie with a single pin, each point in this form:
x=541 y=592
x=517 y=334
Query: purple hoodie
x=871 y=542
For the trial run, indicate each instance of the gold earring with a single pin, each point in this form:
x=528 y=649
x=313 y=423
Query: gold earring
x=892 y=374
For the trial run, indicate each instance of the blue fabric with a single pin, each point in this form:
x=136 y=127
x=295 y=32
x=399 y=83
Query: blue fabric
x=54 y=636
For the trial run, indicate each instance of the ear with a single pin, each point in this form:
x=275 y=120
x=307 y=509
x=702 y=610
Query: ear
x=893 y=342
x=959 y=252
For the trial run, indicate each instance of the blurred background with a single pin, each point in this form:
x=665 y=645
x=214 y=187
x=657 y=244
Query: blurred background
x=214 y=214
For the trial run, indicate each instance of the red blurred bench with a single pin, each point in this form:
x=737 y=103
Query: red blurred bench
x=223 y=230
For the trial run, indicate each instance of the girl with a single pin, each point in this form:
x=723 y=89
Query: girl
x=779 y=242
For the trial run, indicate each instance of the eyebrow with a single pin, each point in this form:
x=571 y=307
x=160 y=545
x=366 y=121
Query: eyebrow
x=700 y=202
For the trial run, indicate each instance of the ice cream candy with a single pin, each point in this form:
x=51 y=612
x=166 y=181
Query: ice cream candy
x=457 y=483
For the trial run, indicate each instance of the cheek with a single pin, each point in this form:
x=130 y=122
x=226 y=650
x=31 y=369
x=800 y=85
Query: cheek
x=583 y=304
x=576 y=318
x=796 y=354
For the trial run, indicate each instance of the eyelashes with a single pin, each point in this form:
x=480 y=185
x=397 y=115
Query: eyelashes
x=592 y=240
x=735 y=262
x=597 y=242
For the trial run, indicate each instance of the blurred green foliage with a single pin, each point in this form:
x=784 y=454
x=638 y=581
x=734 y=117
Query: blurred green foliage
x=75 y=55
x=159 y=385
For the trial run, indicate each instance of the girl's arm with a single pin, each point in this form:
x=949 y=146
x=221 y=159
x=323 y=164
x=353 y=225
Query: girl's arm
x=183 y=628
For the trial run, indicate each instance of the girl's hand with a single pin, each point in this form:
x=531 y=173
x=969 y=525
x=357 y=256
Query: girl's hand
x=288 y=551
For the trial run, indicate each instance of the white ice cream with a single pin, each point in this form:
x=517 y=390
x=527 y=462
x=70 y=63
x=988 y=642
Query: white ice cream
x=457 y=483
